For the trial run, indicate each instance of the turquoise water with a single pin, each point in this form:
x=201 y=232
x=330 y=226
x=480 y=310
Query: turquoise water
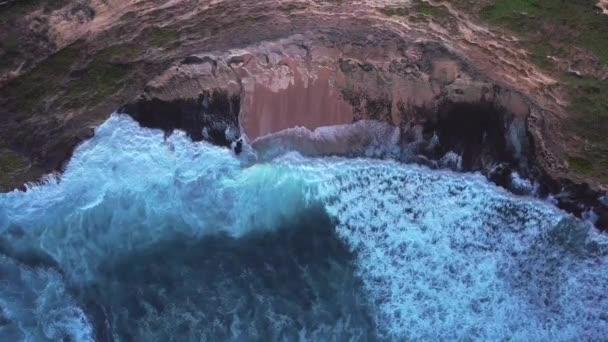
x=151 y=239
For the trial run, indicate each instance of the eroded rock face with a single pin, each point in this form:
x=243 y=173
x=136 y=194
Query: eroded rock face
x=315 y=80
x=303 y=92
x=212 y=116
x=453 y=93
x=603 y=5
x=306 y=63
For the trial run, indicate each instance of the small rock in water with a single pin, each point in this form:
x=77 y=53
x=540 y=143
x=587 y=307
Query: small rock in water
x=238 y=146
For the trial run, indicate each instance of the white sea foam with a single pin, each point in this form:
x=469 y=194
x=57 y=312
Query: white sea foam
x=36 y=306
x=523 y=185
x=442 y=255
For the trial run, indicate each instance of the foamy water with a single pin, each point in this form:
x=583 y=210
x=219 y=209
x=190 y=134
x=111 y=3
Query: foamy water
x=147 y=238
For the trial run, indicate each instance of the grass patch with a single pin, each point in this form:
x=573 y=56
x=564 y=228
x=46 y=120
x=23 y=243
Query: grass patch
x=10 y=43
x=30 y=88
x=10 y=163
x=431 y=11
x=19 y=8
x=159 y=37
x=395 y=11
x=591 y=161
x=575 y=23
x=10 y=47
x=119 y=52
x=420 y=7
x=98 y=81
x=589 y=106
x=580 y=165
x=103 y=76
x=540 y=52
x=590 y=101
x=61 y=62
x=291 y=7
x=550 y=28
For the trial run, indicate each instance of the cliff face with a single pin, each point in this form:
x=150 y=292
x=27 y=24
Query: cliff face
x=311 y=80
x=225 y=72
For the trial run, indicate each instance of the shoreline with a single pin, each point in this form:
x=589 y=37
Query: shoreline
x=368 y=139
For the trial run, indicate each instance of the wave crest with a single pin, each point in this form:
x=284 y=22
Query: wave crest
x=440 y=255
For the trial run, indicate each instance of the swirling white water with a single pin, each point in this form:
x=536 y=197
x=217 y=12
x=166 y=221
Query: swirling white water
x=147 y=238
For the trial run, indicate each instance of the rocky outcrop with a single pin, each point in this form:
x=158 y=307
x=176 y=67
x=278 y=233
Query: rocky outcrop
x=432 y=106
x=448 y=91
x=603 y=5
x=212 y=116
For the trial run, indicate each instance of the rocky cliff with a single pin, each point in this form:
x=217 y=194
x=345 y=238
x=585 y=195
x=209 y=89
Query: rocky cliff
x=455 y=88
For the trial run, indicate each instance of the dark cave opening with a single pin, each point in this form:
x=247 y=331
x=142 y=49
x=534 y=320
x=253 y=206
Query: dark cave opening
x=209 y=117
x=475 y=131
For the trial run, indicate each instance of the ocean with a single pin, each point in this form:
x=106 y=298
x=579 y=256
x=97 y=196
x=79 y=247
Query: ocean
x=152 y=238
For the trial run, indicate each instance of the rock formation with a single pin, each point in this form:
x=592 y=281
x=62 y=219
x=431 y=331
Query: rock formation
x=458 y=93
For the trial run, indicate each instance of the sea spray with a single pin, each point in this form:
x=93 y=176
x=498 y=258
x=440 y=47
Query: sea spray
x=177 y=240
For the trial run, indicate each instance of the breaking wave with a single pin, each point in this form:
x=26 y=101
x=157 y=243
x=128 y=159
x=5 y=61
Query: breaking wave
x=148 y=238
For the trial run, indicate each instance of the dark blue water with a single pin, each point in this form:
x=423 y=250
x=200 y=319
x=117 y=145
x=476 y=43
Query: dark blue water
x=154 y=239
x=295 y=282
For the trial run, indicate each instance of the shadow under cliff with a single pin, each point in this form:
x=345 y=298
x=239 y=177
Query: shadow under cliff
x=492 y=140
x=485 y=136
x=213 y=116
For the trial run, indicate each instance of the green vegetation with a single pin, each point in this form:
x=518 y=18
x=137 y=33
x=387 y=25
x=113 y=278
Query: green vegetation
x=19 y=8
x=96 y=83
x=61 y=62
x=432 y=11
x=11 y=42
x=101 y=78
x=570 y=22
x=540 y=51
x=581 y=165
x=590 y=98
x=10 y=163
x=30 y=88
x=590 y=106
x=10 y=46
x=292 y=7
x=552 y=28
x=120 y=52
x=420 y=7
x=395 y=11
x=591 y=161
x=15 y=46
x=160 y=37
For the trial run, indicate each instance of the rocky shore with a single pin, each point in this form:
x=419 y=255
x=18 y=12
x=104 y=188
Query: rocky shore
x=426 y=104
x=441 y=89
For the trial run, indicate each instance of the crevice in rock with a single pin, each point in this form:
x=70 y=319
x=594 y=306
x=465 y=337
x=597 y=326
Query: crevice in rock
x=484 y=135
x=213 y=116
x=475 y=131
